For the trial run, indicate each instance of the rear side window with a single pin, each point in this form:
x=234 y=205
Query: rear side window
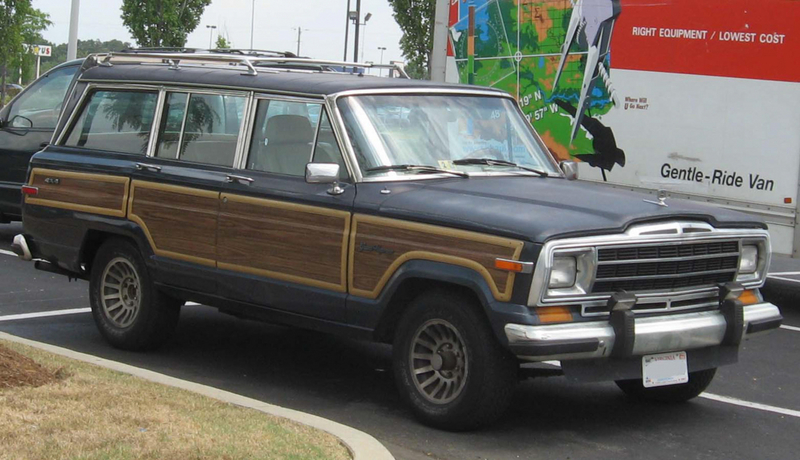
x=201 y=128
x=117 y=121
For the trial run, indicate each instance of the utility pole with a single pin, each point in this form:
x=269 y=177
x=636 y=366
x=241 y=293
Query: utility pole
x=299 y=34
x=72 y=45
x=346 y=30
x=252 y=23
x=358 y=26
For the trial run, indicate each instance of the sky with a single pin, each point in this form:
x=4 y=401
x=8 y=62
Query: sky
x=276 y=23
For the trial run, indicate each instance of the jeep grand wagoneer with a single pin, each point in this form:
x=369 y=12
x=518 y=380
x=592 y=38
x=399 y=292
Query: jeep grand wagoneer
x=428 y=216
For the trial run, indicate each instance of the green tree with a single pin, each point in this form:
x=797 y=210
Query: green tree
x=416 y=19
x=157 y=23
x=19 y=23
x=222 y=43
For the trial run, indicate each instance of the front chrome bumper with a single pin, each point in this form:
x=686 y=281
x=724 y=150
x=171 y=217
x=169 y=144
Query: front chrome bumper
x=651 y=334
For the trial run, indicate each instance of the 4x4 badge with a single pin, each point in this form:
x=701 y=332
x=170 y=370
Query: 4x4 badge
x=52 y=180
x=662 y=198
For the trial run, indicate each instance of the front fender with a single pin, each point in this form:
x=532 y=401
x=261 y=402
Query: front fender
x=383 y=312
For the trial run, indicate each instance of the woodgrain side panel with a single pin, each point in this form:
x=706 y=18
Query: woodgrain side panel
x=379 y=246
x=180 y=222
x=286 y=241
x=94 y=193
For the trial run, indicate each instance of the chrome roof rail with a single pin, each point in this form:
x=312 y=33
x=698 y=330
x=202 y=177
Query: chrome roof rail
x=250 y=61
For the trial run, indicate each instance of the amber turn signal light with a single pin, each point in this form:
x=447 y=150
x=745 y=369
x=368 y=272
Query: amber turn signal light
x=749 y=297
x=554 y=314
x=509 y=265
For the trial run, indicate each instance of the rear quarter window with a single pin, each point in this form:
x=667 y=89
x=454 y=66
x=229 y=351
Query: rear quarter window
x=116 y=121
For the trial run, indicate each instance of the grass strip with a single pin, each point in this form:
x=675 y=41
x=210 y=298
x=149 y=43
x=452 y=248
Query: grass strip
x=90 y=412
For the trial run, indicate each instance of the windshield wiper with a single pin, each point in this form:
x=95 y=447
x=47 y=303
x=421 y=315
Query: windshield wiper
x=420 y=168
x=494 y=162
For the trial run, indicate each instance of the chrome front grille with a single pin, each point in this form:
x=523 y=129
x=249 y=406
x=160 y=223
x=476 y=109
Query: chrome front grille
x=665 y=267
x=700 y=301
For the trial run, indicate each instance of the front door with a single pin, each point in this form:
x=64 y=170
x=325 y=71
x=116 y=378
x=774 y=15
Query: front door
x=282 y=242
x=26 y=125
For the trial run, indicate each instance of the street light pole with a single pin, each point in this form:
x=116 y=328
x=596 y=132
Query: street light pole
x=210 y=34
x=380 y=71
x=252 y=23
x=364 y=35
x=358 y=24
x=72 y=45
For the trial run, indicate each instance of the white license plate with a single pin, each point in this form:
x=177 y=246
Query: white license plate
x=664 y=369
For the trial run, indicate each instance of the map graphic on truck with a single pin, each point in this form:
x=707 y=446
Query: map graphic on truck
x=698 y=98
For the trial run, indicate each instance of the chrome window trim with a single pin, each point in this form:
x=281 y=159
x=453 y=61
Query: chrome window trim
x=90 y=88
x=166 y=83
x=243 y=145
x=164 y=93
x=354 y=168
x=151 y=144
x=183 y=124
x=346 y=147
x=638 y=235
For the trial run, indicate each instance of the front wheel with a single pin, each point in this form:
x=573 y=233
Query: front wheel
x=448 y=365
x=129 y=311
x=698 y=382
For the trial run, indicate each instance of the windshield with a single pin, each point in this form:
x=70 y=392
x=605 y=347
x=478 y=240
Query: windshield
x=438 y=130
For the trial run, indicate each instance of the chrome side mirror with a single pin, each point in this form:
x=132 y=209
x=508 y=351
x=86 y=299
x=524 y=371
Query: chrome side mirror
x=570 y=169
x=324 y=173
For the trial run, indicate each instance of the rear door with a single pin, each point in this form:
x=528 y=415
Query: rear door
x=282 y=242
x=175 y=192
x=27 y=124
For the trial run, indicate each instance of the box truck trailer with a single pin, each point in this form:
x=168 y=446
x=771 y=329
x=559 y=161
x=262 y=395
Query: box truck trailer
x=698 y=99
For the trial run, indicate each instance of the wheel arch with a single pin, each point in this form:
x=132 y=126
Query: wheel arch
x=96 y=235
x=417 y=276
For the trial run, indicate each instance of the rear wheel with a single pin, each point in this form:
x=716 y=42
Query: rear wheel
x=129 y=311
x=698 y=382
x=448 y=365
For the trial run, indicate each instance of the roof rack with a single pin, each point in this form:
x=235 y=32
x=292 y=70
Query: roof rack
x=251 y=60
x=237 y=51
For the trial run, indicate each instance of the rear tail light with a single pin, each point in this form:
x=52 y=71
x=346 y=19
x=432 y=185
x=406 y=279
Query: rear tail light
x=28 y=190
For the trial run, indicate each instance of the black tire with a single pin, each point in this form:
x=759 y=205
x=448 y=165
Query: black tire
x=698 y=382
x=137 y=316
x=488 y=372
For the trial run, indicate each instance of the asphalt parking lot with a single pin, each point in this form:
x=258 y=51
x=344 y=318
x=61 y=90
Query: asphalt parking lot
x=751 y=410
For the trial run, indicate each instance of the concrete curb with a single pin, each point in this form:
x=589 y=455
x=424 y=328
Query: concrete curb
x=361 y=445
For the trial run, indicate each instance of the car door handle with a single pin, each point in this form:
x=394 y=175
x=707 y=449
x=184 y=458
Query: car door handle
x=148 y=167
x=240 y=179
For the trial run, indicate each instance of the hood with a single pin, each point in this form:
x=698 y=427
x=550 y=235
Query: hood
x=533 y=208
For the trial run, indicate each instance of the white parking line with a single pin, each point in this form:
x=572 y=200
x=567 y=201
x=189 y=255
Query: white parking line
x=784 y=273
x=751 y=405
x=790 y=328
x=7 y=253
x=783 y=279
x=44 y=314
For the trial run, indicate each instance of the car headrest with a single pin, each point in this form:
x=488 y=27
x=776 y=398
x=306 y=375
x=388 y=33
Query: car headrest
x=286 y=129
